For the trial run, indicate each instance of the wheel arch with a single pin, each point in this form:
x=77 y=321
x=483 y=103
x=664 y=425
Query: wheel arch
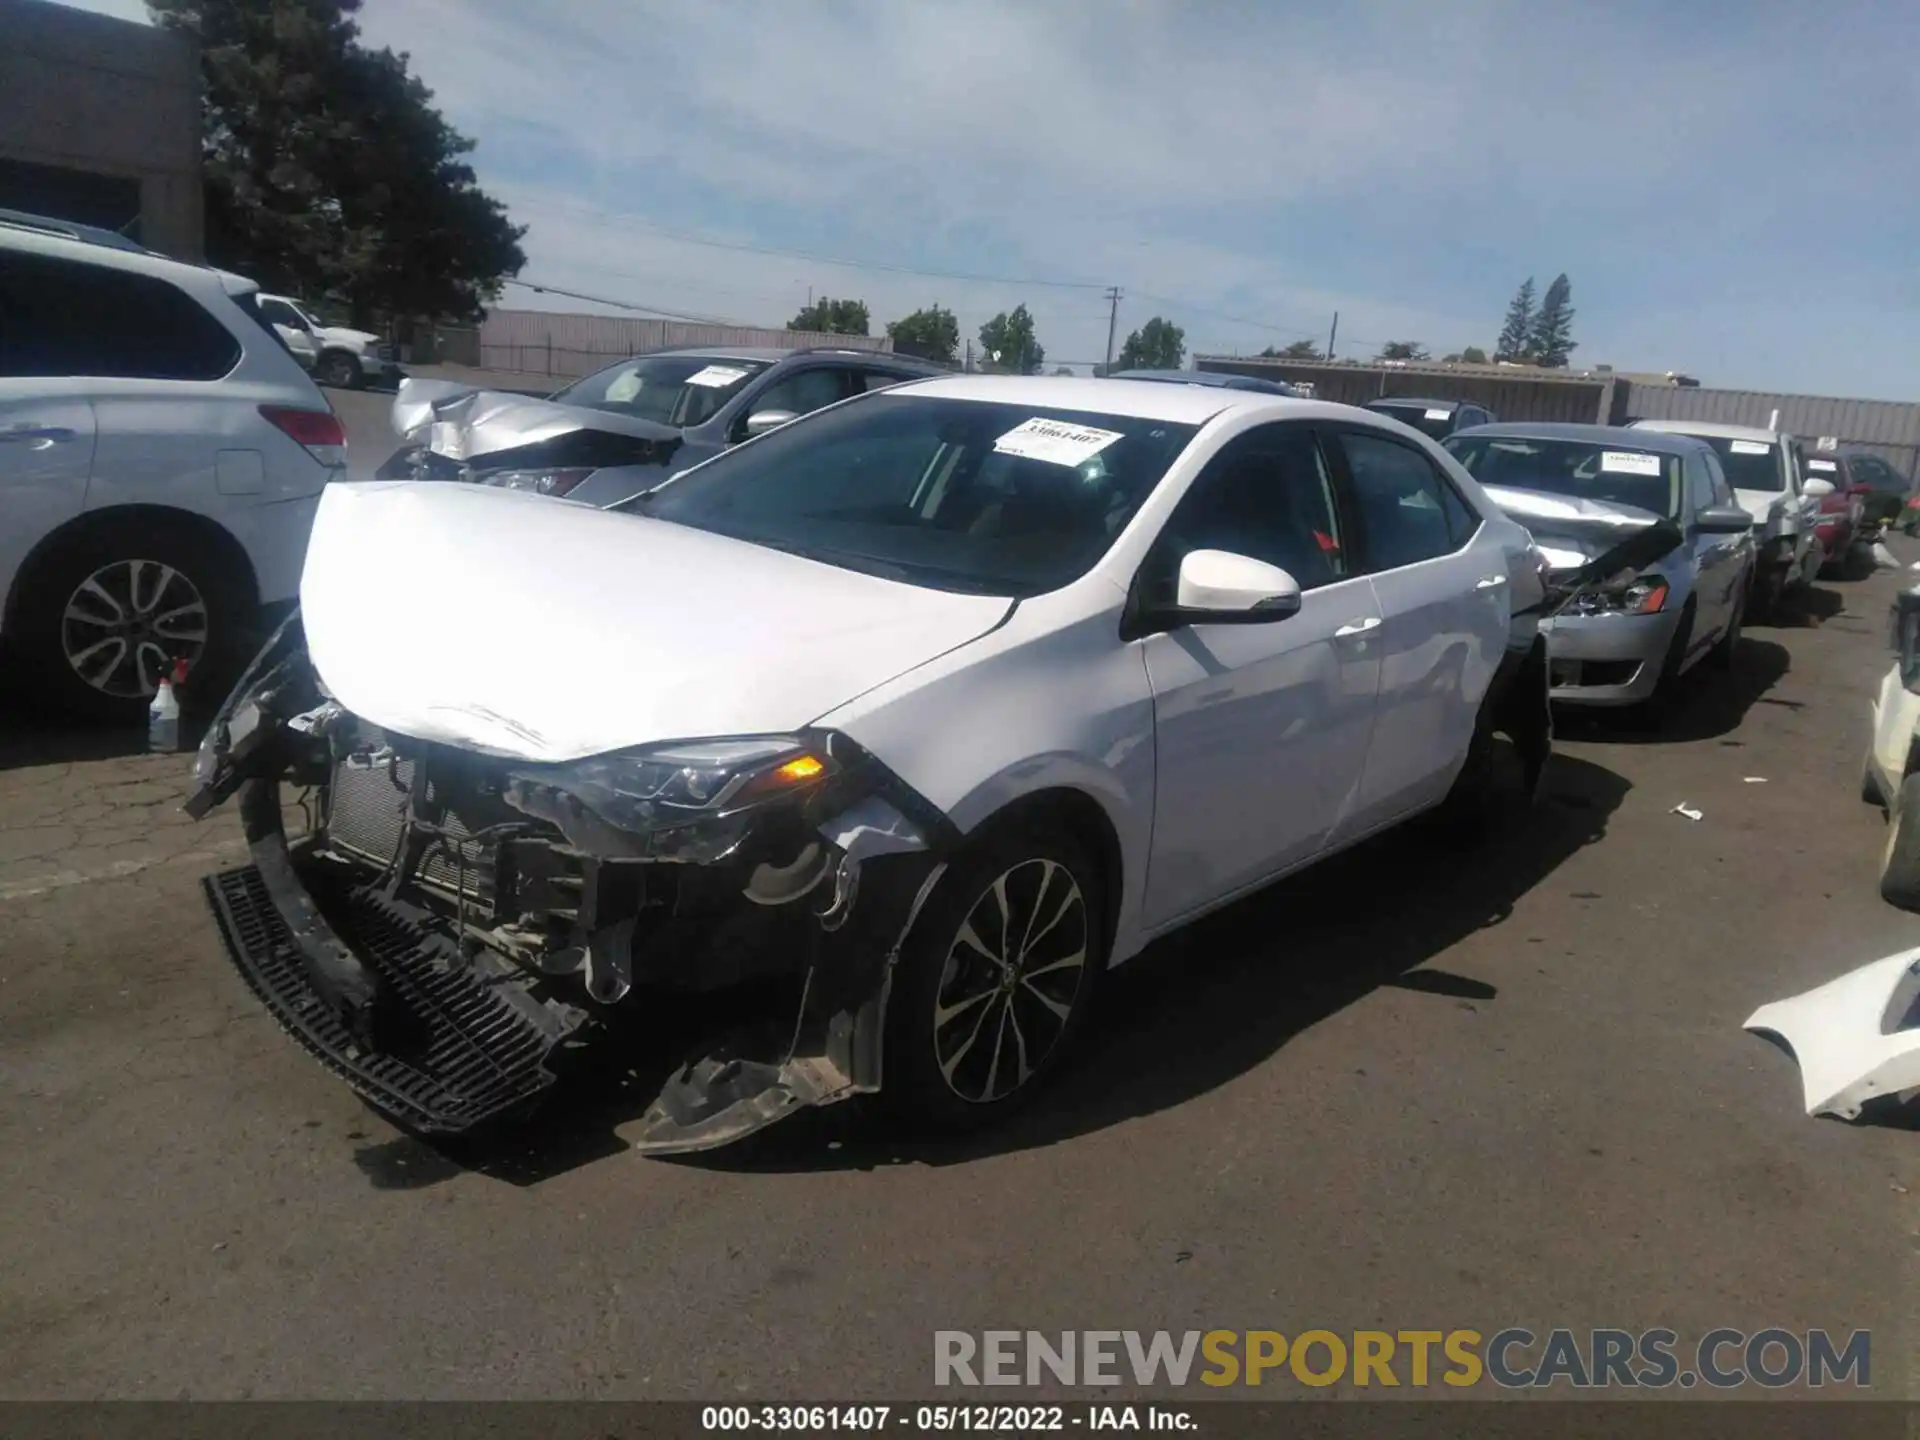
x=1083 y=816
x=91 y=523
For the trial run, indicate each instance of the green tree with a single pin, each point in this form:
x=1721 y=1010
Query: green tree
x=1403 y=350
x=832 y=317
x=1473 y=355
x=930 y=334
x=1298 y=350
x=1551 y=339
x=328 y=172
x=1156 y=345
x=1516 y=335
x=1008 y=343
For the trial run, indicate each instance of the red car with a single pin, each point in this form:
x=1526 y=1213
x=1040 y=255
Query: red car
x=1841 y=512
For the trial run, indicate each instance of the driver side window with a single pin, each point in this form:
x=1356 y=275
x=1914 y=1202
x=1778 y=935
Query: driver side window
x=1267 y=495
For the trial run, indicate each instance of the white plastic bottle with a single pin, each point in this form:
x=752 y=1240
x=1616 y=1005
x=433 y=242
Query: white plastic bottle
x=163 y=715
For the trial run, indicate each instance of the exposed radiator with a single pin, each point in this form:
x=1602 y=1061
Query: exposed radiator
x=368 y=811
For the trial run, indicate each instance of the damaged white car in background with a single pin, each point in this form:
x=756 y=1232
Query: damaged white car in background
x=888 y=730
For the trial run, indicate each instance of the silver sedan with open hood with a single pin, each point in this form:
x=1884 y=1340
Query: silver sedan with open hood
x=1579 y=489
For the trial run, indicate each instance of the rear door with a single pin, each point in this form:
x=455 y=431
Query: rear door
x=47 y=432
x=1444 y=616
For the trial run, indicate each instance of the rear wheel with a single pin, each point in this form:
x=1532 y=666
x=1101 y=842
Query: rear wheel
x=995 y=980
x=1900 y=862
x=107 y=614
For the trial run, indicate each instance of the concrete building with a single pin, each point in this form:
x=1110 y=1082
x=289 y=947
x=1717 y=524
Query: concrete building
x=100 y=123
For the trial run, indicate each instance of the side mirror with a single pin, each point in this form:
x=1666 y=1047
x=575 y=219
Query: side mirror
x=1219 y=587
x=761 y=421
x=1724 y=519
x=1817 y=487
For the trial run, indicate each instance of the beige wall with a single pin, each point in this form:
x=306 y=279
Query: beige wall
x=110 y=97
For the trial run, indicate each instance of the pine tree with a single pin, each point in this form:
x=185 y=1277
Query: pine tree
x=1517 y=333
x=1552 y=338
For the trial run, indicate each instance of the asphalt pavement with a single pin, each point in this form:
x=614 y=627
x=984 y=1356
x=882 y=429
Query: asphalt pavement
x=1419 y=1087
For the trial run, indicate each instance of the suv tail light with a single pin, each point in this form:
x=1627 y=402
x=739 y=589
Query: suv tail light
x=319 y=431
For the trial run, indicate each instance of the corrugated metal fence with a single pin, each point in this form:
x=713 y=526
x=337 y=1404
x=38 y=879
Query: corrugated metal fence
x=1887 y=428
x=540 y=342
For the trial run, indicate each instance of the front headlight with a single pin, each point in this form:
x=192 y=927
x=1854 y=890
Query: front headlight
x=540 y=482
x=1647 y=595
x=692 y=801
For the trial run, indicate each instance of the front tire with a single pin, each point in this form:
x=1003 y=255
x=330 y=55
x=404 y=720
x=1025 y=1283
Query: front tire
x=994 y=982
x=1900 y=862
x=1726 y=649
x=105 y=615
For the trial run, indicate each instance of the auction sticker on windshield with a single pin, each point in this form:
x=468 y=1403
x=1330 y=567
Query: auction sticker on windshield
x=1625 y=462
x=1749 y=447
x=1437 y=414
x=1054 y=441
x=717 y=376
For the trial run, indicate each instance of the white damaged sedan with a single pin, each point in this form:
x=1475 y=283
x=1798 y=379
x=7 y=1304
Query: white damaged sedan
x=891 y=729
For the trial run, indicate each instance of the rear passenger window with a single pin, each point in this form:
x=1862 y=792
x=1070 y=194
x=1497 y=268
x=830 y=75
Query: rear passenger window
x=870 y=380
x=63 y=317
x=1407 y=510
x=1699 y=482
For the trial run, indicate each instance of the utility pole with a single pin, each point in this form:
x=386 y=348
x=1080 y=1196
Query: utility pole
x=1113 y=320
x=1332 y=333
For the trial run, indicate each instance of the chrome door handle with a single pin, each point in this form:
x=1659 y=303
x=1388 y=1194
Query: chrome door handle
x=1358 y=627
x=37 y=432
x=1489 y=582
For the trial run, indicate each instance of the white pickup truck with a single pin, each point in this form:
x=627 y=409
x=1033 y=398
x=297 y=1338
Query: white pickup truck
x=336 y=355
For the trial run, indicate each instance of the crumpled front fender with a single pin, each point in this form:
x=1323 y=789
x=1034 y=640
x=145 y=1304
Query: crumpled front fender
x=1856 y=1038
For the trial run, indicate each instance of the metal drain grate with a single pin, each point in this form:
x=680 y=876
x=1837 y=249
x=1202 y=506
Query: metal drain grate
x=470 y=1056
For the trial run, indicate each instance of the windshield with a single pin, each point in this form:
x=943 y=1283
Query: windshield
x=1750 y=464
x=1427 y=420
x=950 y=494
x=678 y=390
x=1581 y=469
x=1874 y=472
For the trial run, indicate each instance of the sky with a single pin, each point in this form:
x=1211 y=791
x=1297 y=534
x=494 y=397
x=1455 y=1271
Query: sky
x=1732 y=189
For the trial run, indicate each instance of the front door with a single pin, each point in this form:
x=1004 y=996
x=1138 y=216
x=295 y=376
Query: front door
x=1261 y=731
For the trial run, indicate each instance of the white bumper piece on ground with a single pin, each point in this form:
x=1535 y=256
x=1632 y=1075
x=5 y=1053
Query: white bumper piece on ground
x=1855 y=1037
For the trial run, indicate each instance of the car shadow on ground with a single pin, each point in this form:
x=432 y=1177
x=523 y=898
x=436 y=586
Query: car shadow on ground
x=1805 y=609
x=1192 y=1013
x=30 y=737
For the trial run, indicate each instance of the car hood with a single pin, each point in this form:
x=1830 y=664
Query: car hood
x=463 y=423
x=339 y=334
x=516 y=624
x=1569 y=530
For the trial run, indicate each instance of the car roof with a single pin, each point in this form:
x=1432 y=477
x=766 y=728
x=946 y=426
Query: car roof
x=73 y=230
x=1711 y=427
x=1654 y=442
x=1203 y=377
x=772 y=354
x=1409 y=401
x=65 y=240
x=1133 y=399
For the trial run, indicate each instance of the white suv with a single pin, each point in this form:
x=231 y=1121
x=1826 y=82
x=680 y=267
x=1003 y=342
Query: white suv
x=335 y=354
x=161 y=458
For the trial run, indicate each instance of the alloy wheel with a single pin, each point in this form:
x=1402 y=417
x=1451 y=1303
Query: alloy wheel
x=127 y=622
x=1013 y=974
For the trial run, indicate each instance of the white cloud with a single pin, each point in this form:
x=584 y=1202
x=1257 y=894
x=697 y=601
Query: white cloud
x=1403 y=163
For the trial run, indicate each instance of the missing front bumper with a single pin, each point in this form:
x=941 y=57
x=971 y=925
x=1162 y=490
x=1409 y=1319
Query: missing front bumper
x=432 y=988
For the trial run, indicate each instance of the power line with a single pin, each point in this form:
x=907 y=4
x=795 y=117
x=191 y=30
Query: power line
x=542 y=289
x=684 y=238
